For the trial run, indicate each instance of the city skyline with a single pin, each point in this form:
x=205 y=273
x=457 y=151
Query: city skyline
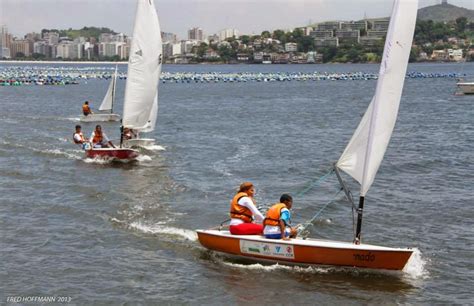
x=244 y=15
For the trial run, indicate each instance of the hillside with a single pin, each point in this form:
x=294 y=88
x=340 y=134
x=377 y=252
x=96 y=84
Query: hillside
x=445 y=12
x=84 y=32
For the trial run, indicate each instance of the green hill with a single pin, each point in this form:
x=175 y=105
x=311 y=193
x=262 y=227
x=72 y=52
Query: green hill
x=84 y=32
x=445 y=12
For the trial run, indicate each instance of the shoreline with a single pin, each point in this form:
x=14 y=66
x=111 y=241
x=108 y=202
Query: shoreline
x=210 y=63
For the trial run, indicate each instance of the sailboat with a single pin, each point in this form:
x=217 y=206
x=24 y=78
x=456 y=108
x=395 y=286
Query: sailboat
x=360 y=159
x=140 y=107
x=106 y=105
x=141 y=89
x=465 y=87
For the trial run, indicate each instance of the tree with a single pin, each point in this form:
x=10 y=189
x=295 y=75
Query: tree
x=306 y=43
x=280 y=35
x=20 y=55
x=245 y=39
x=266 y=34
x=38 y=56
x=461 y=24
x=202 y=49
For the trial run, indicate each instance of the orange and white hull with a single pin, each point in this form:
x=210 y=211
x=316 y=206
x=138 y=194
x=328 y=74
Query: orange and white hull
x=306 y=252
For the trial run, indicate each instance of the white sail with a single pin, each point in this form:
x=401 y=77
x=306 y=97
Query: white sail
x=150 y=126
x=108 y=100
x=364 y=153
x=144 y=67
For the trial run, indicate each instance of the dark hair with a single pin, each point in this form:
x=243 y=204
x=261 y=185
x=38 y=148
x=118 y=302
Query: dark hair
x=87 y=102
x=78 y=126
x=98 y=126
x=285 y=198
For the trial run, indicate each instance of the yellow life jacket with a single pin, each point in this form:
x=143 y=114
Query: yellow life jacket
x=240 y=212
x=97 y=137
x=273 y=215
x=82 y=138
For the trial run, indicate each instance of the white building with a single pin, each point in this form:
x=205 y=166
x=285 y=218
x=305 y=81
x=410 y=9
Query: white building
x=455 y=54
x=291 y=47
x=4 y=52
x=195 y=34
x=51 y=37
x=228 y=33
x=64 y=49
x=176 y=49
x=187 y=46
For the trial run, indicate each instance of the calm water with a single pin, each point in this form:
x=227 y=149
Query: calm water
x=110 y=233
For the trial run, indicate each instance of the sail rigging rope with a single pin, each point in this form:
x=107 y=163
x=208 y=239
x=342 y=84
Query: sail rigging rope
x=314 y=183
x=303 y=229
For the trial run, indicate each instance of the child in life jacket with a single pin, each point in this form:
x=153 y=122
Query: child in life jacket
x=278 y=220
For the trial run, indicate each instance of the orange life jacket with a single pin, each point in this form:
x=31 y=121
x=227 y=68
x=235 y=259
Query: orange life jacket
x=82 y=138
x=273 y=215
x=97 y=137
x=240 y=212
x=86 y=109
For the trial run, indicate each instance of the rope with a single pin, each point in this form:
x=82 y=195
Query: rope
x=300 y=193
x=314 y=183
x=303 y=230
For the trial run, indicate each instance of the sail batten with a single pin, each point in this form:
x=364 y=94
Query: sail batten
x=364 y=153
x=144 y=68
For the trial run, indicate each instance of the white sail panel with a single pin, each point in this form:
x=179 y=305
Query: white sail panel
x=143 y=67
x=108 y=100
x=150 y=126
x=364 y=153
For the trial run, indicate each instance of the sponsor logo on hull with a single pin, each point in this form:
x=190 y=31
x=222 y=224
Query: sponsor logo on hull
x=267 y=249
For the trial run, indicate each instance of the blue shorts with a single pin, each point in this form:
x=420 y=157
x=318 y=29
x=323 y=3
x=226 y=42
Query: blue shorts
x=277 y=236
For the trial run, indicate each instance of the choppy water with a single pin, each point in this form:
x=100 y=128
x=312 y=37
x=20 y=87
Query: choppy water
x=110 y=233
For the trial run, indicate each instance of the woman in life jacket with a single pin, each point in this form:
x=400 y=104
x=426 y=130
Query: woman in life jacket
x=244 y=213
x=278 y=220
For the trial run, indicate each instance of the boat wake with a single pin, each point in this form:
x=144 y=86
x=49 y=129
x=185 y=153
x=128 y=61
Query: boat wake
x=415 y=268
x=154 y=147
x=277 y=267
x=60 y=153
x=100 y=160
x=143 y=158
x=158 y=228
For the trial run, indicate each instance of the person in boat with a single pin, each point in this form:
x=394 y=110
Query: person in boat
x=78 y=136
x=129 y=134
x=243 y=212
x=278 y=220
x=99 y=139
x=86 y=110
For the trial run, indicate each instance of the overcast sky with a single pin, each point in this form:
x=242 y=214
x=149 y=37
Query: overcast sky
x=176 y=16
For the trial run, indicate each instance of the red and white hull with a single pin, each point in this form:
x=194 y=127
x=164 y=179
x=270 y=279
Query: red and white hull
x=306 y=252
x=112 y=153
